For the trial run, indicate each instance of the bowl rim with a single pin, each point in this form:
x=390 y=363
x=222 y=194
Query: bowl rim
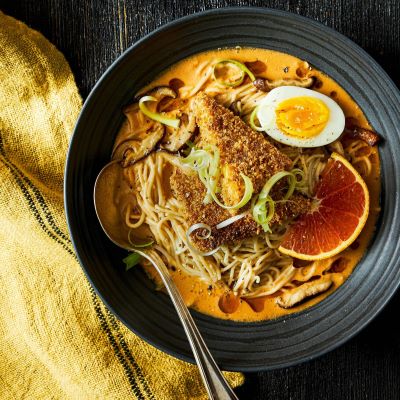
x=92 y=95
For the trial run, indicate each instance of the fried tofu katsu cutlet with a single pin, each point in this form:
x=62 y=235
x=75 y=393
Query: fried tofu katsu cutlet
x=190 y=192
x=242 y=150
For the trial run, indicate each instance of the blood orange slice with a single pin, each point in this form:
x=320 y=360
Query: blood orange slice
x=339 y=212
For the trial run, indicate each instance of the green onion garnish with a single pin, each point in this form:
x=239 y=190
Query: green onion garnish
x=206 y=164
x=173 y=122
x=274 y=179
x=302 y=181
x=131 y=260
x=231 y=220
x=248 y=192
x=263 y=212
x=264 y=208
x=252 y=123
x=239 y=65
x=204 y=236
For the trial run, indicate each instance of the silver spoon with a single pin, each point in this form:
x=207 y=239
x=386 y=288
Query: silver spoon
x=108 y=214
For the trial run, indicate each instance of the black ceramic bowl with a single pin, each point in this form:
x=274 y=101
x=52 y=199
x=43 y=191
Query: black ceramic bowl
x=237 y=346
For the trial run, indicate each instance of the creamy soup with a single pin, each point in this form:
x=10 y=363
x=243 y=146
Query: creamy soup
x=226 y=284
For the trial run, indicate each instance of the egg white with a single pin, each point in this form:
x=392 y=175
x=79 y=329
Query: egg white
x=267 y=116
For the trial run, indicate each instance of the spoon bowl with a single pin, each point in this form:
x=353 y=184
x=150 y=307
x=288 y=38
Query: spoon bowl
x=108 y=181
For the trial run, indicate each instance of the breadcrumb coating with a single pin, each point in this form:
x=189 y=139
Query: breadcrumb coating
x=190 y=192
x=242 y=150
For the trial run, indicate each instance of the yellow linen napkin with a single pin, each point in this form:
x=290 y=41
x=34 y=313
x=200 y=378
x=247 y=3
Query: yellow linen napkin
x=57 y=340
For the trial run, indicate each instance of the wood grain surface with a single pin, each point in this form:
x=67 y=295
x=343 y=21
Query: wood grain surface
x=92 y=34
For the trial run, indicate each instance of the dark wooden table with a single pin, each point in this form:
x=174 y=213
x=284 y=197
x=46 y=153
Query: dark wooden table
x=93 y=33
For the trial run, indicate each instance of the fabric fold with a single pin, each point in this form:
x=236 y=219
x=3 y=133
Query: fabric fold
x=57 y=339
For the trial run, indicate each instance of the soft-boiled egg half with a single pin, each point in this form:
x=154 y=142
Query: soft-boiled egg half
x=300 y=117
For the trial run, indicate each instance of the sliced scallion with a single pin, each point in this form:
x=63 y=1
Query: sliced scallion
x=252 y=123
x=172 y=122
x=248 y=192
x=207 y=165
x=263 y=212
x=298 y=172
x=132 y=260
x=264 y=208
x=230 y=220
x=198 y=226
x=193 y=228
x=197 y=159
x=274 y=179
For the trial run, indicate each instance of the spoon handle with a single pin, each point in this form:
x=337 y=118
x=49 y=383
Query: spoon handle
x=215 y=383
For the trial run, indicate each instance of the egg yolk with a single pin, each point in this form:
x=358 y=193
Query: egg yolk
x=302 y=117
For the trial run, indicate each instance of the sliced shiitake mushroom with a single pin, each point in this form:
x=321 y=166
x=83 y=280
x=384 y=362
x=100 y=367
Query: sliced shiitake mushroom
x=354 y=131
x=159 y=92
x=176 y=84
x=141 y=144
x=294 y=296
x=358 y=133
x=265 y=85
x=164 y=96
x=132 y=150
x=174 y=139
x=261 y=84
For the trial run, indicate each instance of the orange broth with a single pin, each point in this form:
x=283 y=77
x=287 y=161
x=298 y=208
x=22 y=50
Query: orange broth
x=204 y=297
